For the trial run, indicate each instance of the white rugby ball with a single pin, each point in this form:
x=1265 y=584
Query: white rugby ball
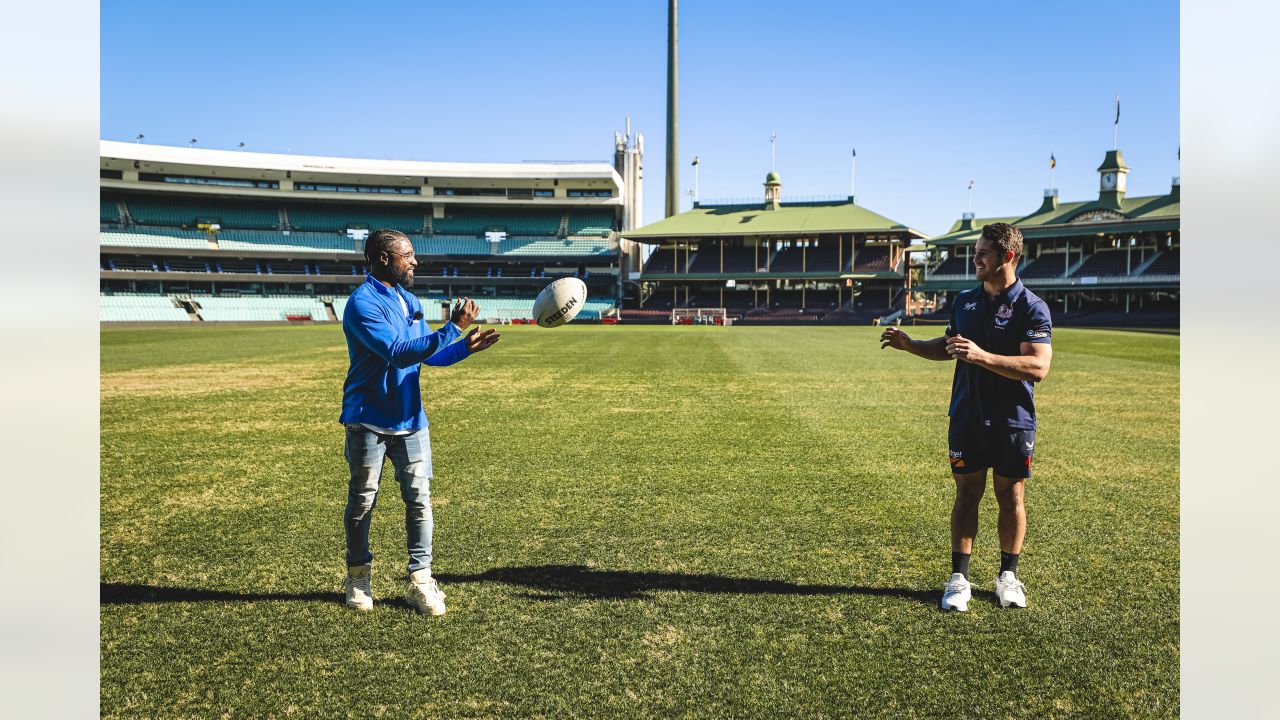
x=560 y=302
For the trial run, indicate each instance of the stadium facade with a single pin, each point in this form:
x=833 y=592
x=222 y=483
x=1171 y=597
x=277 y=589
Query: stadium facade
x=193 y=234
x=773 y=261
x=1109 y=261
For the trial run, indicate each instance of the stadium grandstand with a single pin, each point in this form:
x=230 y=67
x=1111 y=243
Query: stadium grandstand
x=191 y=235
x=1111 y=261
x=769 y=261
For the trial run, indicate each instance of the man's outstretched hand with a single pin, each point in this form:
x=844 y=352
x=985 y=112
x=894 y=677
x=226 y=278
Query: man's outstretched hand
x=464 y=312
x=478 y=340
x=894 y=338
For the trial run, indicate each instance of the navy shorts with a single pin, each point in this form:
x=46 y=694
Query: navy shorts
x=1005 y=450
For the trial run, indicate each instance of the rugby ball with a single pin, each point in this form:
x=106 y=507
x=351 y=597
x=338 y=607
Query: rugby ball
x=559 y=302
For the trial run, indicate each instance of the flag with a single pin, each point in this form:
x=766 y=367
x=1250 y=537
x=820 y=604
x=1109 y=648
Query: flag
x=855 y=153
x=1053 y=162
x=1117 y=110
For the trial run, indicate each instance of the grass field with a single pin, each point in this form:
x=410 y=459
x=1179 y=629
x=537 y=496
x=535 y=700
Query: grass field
x=632 y=522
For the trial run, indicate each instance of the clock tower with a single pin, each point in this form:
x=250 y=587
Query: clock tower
x=1111 y=180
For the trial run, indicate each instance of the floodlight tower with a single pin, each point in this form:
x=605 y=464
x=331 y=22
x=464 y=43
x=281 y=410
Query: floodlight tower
x=673 y=125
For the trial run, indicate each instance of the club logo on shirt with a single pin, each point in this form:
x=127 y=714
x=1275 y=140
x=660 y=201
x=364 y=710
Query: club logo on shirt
x=1003 y=314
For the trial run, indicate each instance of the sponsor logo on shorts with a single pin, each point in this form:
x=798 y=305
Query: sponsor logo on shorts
x=957 y=459
x=1030 y=445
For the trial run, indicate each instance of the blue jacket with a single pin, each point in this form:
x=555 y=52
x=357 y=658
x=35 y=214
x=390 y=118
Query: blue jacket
x=386 y=348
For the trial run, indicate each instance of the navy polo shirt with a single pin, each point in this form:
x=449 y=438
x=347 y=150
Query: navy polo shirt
x=998 y=325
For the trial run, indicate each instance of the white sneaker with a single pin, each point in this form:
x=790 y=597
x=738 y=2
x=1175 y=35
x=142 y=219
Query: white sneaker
x=1010 y=591
x=956 y=593
x=424 y=594
x=357 y=587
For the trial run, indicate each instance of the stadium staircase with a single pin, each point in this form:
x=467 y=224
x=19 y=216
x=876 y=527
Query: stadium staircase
x=563 y=230
x=1076 y=266
x=1142 y=266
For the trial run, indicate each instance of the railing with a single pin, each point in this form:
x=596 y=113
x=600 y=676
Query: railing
x=759 y=200
x=1085 y=280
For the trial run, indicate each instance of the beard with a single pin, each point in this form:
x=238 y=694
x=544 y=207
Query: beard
x=402 y=277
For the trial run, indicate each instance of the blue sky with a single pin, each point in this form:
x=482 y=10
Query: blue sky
x=930 y=94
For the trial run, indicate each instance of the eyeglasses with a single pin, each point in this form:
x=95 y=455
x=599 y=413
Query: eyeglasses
x=403 y=254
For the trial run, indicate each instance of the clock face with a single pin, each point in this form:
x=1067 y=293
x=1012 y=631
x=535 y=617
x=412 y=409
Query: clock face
x=1108 y=180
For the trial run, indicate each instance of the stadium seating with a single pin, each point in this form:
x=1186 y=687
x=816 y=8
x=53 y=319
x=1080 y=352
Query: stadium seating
x=236 y=266
x=590 y=222
x=1167 y=263
x=192 y=265
x=955 y=265
x=131 y=262
x=814 y=258
x=872 y=259
x=154 y=238
x=110 y=212
x=1051 y=265
x=554 y=246
x=279 y=241
x=476 y=221
x=260 y=308
x=131 y=307
x=327 y=218
x=1104 y=263
x=339 y=304
x=663 y=260
x=449 y=245
x=229 y=215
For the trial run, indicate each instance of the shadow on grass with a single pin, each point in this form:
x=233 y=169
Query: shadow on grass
x=559 y=582
x=548 y=583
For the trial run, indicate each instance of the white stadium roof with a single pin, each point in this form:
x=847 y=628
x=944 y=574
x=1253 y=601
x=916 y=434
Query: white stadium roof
x=161 y=158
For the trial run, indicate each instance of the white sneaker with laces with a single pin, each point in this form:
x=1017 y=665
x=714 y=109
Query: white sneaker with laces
x=956 y=593
x=424 y=594
x=357 y=587
x=1010 y=590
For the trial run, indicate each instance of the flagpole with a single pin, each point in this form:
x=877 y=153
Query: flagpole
x=1115 y=130
x=853 y=175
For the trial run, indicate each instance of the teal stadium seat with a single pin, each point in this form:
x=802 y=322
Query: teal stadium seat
x=590 y=222
x=110 y=212
x=131 y=307
x=577 y=247
x=257 y=309
x=154 y=237
x=259 y=240
x=475 y=222
x=229 y=215
x=450 y=245
x=337 y=219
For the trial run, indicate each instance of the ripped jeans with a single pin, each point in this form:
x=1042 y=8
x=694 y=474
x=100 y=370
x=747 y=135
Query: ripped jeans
x=411 y=458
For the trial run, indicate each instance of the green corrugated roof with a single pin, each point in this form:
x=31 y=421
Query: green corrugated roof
x=799 y=218
x=1057 y=222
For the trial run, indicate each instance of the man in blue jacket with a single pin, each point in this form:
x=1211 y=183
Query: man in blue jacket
x=387 y=339
x=999 y=336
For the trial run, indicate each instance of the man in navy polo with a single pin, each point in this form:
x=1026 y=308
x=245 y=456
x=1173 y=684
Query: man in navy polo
x=1000 y=335
x=387 y=339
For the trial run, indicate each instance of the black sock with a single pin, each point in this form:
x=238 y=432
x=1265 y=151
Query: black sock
x=960 y=563
x=1008 y=561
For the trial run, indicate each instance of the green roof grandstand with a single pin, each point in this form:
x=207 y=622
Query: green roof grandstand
x=1114 y=254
